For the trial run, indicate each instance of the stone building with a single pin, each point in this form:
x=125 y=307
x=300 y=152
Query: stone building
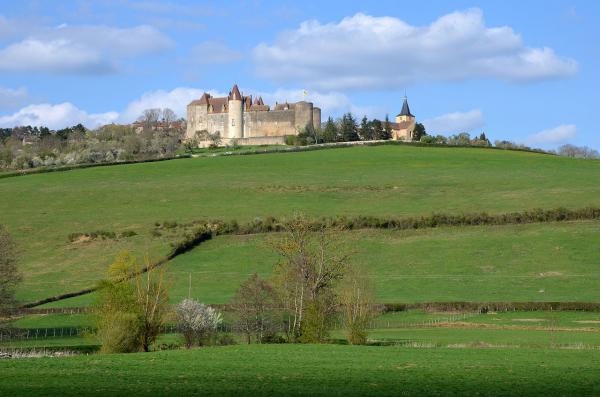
x=404 y=126
x=247 y=121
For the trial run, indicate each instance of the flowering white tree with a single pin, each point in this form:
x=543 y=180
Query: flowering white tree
x=197 y=321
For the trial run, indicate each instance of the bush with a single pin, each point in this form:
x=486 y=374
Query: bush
x=290 y=140
x=197 y=322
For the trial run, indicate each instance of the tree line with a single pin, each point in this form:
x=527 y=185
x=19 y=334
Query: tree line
x=156 y=134
x=348 y=129
x=159 y=134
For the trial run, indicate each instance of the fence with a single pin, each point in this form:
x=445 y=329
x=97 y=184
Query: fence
x=17 y=334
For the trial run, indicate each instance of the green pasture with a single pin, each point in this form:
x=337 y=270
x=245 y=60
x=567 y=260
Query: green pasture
x=482 y=337
x=294 y=370
x=42 y=210
x=514 y=263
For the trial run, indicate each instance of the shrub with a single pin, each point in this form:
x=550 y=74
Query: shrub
x=197 y=322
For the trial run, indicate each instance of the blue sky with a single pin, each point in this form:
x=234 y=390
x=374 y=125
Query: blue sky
x=524 y=71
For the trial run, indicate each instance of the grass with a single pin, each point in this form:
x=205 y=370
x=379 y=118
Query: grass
x=42 y=210
x=327 y=370
x=459 y=337
x=54 y=320
x=536 y=262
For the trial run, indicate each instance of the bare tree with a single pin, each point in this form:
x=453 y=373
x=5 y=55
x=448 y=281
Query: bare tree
x=150 y=118
x=257 y=309
x=9 y=274
x=313 y=261
x=168 y=115
x=582 y=152
x=358 y=305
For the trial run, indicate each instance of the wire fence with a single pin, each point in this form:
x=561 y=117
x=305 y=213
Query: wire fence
x=25 y=334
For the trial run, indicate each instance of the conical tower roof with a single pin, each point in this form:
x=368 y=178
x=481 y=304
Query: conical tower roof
x=235 y=93
x=405 y=109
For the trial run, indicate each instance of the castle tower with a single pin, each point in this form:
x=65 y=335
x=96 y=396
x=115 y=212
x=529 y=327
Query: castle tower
x=303 y=115
x=316 y=118
x=235 y=116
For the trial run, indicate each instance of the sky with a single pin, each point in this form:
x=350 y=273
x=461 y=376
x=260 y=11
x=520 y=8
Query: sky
x=525 y=71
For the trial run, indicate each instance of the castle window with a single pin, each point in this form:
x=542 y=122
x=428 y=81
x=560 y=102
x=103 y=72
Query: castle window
x=232 y=122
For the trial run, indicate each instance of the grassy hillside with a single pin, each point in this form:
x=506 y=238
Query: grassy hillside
x=310 y=370
x=537 y=262
x=42 y=210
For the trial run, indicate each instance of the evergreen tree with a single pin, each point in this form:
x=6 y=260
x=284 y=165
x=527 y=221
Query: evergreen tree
x=366 y=129
x=377 y=128
x=419 y=132
x=330 y=132
x=387 y=128
x=349 y=129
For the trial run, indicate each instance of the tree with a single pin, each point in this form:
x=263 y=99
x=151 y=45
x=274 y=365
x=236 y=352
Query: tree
x=366 y=129
x=583 y=152
x=256 y=306
x=197 y=321
x=330 y=132
x=387 y=129
x=9 y=274
x=348 y=128
x=378 y=131
x=214 y=138
x=312 y=262
x=150 y=118
x=462 y=139
x=131 y=307
x=419 y=132
x=357 y=301
x=168 y=115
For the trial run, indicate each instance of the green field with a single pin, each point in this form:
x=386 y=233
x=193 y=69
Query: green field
x=327 y=370
x=536 y=262
x=42 y=210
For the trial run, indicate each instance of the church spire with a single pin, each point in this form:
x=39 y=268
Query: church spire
x=405 y=109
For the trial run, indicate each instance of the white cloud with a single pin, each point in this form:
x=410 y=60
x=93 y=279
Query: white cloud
x=177 y=99
x=331 y=103
x=213 y=52
x=80 y=49
x=553 y=136
x=56 y=116
x=11 y=98
x=367 y=52
x=52 y=56
x=456 y=122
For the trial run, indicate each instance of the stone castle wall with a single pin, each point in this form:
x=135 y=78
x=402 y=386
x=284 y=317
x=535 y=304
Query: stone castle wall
x=255 y=124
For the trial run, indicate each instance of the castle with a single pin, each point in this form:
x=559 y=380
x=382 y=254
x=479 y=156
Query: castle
x=238 y=117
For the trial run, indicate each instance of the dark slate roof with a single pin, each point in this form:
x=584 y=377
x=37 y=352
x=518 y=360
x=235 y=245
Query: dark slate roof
x=405 y=109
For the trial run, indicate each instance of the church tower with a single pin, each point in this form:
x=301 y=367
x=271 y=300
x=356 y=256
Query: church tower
x=405 y=114
x=404 y=126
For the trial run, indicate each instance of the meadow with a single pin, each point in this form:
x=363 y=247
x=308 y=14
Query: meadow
x=42 y=210
x=514 y=263
x=292 y=370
